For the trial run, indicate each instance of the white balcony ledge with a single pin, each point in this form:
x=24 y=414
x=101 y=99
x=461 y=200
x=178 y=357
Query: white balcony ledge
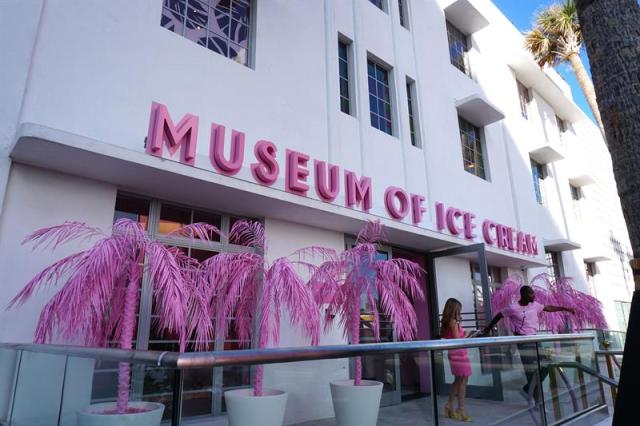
x=596 y=258
x=562 y=244
x=582 y=180
x=478 y=110
x=547 y=154
x=464 y=16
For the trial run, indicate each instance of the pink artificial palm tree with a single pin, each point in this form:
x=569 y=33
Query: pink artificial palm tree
x=357 y=275
x=98 y=298
x=557 y=292
x=247 y=287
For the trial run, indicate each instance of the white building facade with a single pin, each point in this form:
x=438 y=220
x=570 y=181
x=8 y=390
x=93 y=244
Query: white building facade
x=313 y=117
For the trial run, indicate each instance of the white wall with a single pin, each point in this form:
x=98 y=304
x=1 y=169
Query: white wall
x=38 y=198
x=306 y=382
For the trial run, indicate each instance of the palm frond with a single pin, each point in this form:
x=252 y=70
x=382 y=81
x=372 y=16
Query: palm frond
x=54 y=236
x=169 y=290
x=247 y=233
x=201 y=230
x=372 y=232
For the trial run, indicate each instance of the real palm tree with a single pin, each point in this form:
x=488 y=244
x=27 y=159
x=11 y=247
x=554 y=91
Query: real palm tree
x=611 y=31
x=557 y=38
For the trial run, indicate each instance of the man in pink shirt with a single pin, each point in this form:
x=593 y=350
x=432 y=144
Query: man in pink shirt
x=524 y=320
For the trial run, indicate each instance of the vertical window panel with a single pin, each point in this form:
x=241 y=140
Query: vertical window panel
x=524 y=97
x=379 y=97
x=458 y=48
x=473 y=157
x=343 y=76
x=413 y=117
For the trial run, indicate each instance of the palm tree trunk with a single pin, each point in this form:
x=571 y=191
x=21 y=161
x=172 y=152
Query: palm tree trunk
x=611 y=29
x=587 y=87
x=126 y=338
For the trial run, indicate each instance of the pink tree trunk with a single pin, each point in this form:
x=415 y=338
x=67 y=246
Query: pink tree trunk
x=354 y=324
x=259 y=381
x=126 y=338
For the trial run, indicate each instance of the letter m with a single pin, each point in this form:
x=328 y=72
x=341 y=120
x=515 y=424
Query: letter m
x=358 y=191
x=183 y=136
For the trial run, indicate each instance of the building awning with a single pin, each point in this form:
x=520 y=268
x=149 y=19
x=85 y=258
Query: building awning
x=562 y=244
x=464 y=16
x=547 y=154
x=478 y=110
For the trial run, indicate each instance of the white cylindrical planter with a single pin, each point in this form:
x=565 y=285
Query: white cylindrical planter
x=245 y=409
x=356 y=405
x=150 y=415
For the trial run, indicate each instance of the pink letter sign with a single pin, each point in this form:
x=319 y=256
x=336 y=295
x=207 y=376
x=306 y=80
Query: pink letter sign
x=216 y=151
x=327 y=191
x=297 y=172
x=266 y=170
x=390 y=196
x=162 y=131
x=358 y=192
x=417 y=208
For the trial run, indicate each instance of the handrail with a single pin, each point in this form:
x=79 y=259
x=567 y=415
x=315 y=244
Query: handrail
x=590 y=371
x=609 y=352
x=277 y=355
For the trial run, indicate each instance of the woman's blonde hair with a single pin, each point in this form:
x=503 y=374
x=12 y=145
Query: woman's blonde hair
x=451 y=312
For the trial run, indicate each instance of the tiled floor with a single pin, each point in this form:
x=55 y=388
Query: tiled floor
x=513 y=411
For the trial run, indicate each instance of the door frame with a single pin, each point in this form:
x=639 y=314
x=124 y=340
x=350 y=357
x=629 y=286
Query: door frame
x=493 y=392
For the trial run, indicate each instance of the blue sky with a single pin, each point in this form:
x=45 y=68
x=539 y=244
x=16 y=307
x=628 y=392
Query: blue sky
x=521 y=13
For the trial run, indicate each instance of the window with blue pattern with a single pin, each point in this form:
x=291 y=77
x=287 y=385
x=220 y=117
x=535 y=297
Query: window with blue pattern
x=219 y=25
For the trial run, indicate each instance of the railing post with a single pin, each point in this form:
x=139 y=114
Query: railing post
x=434 y=391
x=542 y=404
x=176 y=414
x=614 y=393
x=583 y=387
x=555 y=399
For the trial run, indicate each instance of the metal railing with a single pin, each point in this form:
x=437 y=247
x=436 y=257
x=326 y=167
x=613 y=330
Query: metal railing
x=188 y=360
x=192 y=360
x=611 y=359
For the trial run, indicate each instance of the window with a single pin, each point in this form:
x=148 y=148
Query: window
x=219 y=25
x=622 y=311
x=458 y=48
x=590 y=269
x=403 y=13
x=471 y=148
x=495 y=277
x=525 y=98
x=379 y=3
x=379 y=97
x=413 y=119
x=562 y=125
x=554 y=266
x=343 y=64
x=203 y=388
x=539 y=173
x=576 y=192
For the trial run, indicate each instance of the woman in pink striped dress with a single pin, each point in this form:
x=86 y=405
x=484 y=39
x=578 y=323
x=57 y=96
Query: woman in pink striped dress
x=450 y=328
